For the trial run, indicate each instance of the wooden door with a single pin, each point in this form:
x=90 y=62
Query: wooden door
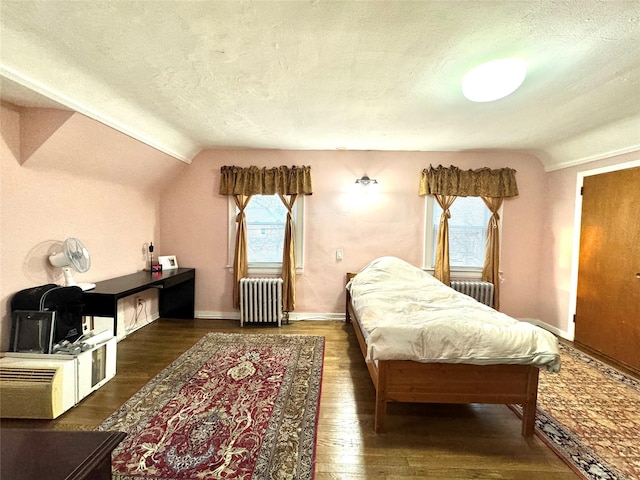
x=608 y=303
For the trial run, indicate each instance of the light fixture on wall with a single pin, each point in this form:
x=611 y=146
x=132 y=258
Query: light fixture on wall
x=494 y=80
x=364 y=180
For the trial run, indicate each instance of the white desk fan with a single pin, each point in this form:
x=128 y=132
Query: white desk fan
x=73 y=255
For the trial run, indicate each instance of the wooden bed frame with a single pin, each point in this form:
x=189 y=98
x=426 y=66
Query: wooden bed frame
x=415 y=382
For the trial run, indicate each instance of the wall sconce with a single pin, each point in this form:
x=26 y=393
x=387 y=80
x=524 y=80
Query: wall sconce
x=366 y=180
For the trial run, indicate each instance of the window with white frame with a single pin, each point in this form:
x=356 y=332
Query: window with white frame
x=266 y=216
x=467 y=233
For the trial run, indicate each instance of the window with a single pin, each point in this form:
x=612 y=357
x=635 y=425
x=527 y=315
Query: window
x=467 y=233
x=266 y=217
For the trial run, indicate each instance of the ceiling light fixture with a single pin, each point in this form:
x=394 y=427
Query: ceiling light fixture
x=494 y=80
x=366 y=180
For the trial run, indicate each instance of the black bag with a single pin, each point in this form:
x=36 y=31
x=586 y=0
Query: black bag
x=65 y=301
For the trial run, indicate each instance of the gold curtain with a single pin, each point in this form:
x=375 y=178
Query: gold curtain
x=240 y=263
x=243 y=182
x=493 y=186
x=289 y=257
x=265 y=181
x=491 y=268
x=442 y=269
x=483 y=182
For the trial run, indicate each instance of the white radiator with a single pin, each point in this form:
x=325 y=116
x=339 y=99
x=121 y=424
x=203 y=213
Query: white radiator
x=261 y=300
x=481 y=291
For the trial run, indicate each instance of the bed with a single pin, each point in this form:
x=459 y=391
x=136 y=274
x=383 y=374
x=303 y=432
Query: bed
x=424 y=342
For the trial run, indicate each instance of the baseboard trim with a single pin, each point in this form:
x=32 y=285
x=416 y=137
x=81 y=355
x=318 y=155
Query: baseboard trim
x=340 y=317
x=293 y=316
x=138 y=326
x=551 y=328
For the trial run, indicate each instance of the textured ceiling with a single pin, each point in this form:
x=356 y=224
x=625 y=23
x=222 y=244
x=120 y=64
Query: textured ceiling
x=184 y=76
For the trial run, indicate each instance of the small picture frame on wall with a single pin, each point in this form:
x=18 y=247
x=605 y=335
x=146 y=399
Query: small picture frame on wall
x=168 y=262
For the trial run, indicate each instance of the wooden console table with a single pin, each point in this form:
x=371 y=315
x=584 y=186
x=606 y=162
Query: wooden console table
x=27 y=454
x=176 y=293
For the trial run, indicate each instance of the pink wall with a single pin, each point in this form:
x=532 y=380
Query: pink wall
x=388 y=222
x=558 y=240
x=43 y=203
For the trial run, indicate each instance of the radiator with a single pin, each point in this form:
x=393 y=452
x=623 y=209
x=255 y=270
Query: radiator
x=481 y=291
x=261 y=300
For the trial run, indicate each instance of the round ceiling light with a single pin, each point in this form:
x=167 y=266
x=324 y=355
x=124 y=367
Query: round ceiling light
x=494 y=80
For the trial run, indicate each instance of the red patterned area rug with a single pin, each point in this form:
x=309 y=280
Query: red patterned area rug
x=589 y=414
x=232 y=407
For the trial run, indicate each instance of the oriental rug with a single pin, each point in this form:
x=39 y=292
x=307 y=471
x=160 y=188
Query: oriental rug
x=232 y=407
x=589 y=414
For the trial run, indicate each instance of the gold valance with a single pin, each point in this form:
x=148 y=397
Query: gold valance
x=483 y=182
x=265 y=181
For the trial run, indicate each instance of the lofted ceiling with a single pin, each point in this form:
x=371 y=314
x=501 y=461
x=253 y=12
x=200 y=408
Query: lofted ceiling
x=183 y=76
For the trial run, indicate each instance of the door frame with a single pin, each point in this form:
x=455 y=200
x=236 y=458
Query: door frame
x=577 y=225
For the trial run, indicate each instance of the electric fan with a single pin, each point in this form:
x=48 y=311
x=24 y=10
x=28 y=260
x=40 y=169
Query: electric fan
x=73 y=255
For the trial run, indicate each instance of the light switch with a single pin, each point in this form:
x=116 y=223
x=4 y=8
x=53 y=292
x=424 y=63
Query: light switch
x=339 y=254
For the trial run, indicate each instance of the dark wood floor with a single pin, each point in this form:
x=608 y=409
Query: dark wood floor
x=422 y=442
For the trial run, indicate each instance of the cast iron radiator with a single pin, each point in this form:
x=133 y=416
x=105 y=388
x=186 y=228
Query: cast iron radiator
x=261 y=300
x=481 y=291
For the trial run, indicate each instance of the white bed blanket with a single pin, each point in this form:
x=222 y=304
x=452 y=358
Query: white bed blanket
x=410 y=315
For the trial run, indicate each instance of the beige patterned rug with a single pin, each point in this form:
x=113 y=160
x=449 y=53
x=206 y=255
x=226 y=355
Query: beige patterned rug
x=232 y=407
x=589 y=414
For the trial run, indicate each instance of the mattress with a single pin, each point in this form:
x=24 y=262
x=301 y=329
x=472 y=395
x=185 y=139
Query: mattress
x=407 y=314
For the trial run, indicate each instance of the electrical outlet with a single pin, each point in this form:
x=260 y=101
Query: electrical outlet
x=139 y=301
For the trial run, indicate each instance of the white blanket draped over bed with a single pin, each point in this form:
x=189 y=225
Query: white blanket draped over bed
x=407 y=314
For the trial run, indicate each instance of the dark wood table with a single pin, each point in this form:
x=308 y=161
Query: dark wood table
x=176 y=293
x=27 y=454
